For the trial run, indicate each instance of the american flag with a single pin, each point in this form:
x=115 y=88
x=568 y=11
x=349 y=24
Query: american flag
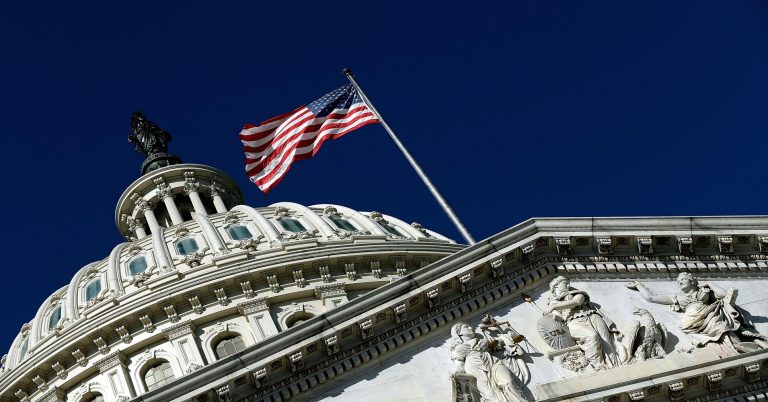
x=272 y=146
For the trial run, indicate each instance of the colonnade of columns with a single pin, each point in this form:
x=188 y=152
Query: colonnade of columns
x=164 y=192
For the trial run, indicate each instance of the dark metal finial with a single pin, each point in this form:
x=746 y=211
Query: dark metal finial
x=347 y=71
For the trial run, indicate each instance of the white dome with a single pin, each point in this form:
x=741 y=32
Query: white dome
x=176 y=292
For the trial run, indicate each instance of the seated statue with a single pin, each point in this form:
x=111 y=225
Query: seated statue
x=709 y=313
x=496 y=381
x=595 y=334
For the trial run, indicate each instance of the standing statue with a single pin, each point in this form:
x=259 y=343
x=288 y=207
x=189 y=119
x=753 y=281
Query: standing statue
x=497 y=380
x=148 y=137
x=709 y=313
x=594 y=333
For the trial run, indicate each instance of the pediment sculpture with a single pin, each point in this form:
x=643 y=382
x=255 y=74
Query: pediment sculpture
x=583 y=338
x=710 y=314
x=488 y=366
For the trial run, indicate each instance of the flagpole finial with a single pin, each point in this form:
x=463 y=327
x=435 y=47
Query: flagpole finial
x=347 y=71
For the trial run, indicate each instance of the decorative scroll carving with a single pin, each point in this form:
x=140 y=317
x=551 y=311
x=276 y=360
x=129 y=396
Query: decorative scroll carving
x=197 y=306
x=170 y=311
x=709 y=312
x=325 y=273
x=274 y=285
x=80 y=357
x=563 y=245
x=420 y=228
x=479 y=371
x=376 y=269
x=298 y=278
x=247 y=289
x=349 y=269
x=147 y=323
x=221 y=296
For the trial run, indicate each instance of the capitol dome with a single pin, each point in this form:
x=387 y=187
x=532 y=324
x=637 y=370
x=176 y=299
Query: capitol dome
x=201 y=277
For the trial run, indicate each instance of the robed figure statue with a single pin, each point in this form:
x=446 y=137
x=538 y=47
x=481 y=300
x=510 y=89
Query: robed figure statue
x=148 y=137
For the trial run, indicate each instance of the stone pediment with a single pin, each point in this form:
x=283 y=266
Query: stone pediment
x=398 y=342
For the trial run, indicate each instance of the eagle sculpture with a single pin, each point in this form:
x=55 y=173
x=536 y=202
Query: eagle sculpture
x=649 y=337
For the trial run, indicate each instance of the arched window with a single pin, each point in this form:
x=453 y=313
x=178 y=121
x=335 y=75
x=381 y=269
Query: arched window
x=391 y=229
x=54 y=318
x=342 y=223
x=92 y=290
x=23 y=350
x=229 y=346
x=297 y=319
x=291 y=225
x=187 y=246
x=158 y=375
x=137 y=265
x=239 y=232
x=95 y=398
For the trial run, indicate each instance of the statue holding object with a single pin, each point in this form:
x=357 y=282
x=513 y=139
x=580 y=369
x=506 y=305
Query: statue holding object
x=496 y=378
x=710 y=313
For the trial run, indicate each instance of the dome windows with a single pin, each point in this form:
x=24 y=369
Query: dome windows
x=158 y=375
x=137 y=265
x=23 y=350
x=391 y=229
x=229 y=346
x=239 y=232
x=342 y=223
x=186 y=246
x=93 y=289
x=291 y=225
x=54 y=318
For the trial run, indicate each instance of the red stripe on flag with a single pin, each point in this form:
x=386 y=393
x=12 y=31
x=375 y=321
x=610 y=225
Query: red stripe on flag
x=272 y=146
x=290 y=154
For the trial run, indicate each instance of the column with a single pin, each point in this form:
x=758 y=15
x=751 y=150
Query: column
x=116 y=375
x=190 y=188
x=182 y=337
x=165 y=193
x=256 y=311
x=146 y=208
x=218 y=202
x=136 y=227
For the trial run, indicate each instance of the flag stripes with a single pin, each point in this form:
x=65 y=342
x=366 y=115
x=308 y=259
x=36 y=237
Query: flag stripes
x=272 y=146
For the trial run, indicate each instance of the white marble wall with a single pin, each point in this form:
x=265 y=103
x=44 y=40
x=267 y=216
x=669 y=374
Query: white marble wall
x=422 y=373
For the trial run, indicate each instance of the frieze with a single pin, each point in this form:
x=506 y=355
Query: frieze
x=179 y=330
x=114 y=359
x=253 y=306
x=413 y=328
x=330 y=290
x=742 y=389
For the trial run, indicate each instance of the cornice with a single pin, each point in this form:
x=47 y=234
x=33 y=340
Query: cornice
x=525 y=263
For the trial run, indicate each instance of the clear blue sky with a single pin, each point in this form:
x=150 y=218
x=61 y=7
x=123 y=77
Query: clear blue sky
x=516 y=109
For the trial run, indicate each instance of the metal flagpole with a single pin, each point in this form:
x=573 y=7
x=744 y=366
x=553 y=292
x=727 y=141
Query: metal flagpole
x=348 y=73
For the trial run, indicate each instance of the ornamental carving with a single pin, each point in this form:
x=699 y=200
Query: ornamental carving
x=582 y=338
x=488 y=366
x=709 y=314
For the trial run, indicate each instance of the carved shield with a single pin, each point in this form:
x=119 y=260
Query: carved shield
x=554 y=331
